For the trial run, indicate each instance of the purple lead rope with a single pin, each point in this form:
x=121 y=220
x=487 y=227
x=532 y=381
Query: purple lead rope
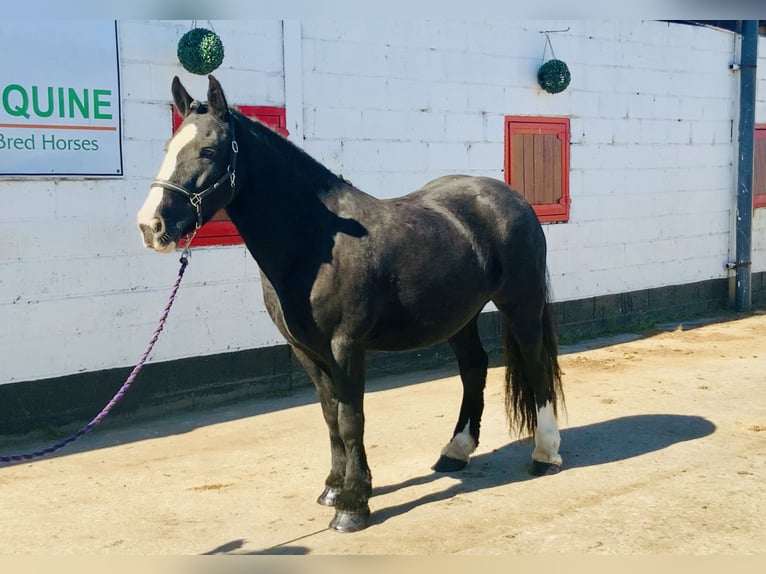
x=123 y=389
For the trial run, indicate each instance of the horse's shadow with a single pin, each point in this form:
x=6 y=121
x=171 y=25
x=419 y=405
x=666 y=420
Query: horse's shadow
x=234 y=547
x=595 y=444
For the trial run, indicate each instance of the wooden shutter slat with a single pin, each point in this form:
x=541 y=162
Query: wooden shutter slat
x=548 y=160
x=529 y=168
x=556 y=172
x=538 y=184
x=517 y=159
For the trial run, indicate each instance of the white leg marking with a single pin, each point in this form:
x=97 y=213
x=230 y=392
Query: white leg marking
x=460 y=447
x=547 y=438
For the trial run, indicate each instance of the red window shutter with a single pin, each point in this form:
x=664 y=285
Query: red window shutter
x=537 y=163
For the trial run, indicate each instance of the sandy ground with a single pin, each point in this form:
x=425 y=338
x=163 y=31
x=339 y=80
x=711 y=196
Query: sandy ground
x=664 y=446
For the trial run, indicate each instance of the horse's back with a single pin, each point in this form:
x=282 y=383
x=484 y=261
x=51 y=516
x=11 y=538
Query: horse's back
x=467 y=183
x=458 y=187
x=487 y=205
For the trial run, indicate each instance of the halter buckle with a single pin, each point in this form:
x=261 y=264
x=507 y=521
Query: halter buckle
x=233 y=164
x=196 y=201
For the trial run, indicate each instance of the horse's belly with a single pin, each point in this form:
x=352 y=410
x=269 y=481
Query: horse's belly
x=397 y=331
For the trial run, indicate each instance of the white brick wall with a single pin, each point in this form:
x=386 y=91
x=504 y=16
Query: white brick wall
x=390 y=107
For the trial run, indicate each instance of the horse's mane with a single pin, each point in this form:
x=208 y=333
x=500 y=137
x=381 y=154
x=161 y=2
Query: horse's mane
x=282 y=151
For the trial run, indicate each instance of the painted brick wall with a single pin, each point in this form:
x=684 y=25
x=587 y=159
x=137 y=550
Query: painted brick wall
x=389 y=107
x=651 y=107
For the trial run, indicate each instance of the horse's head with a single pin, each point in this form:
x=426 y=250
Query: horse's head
x=197 y=177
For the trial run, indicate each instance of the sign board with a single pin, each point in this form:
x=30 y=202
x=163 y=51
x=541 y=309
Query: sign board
x=60 y=98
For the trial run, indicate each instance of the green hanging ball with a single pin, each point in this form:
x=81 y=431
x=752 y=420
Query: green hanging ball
x=553 y=76
x=200 y=51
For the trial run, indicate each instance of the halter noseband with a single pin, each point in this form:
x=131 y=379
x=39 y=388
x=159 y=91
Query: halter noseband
x=196 y=198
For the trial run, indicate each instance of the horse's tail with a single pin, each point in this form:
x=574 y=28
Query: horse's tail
x=520 y=402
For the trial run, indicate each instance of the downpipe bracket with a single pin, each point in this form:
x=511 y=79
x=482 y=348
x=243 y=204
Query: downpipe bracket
x=734 y=265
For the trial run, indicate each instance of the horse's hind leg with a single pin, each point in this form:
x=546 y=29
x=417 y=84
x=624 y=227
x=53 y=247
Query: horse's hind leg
x=533 y=381
x=472 y=362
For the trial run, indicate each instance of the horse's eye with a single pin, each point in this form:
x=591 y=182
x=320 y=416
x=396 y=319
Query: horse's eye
x=207 y=152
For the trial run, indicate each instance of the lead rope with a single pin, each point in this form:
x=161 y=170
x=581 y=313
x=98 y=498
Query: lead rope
x=126 y=385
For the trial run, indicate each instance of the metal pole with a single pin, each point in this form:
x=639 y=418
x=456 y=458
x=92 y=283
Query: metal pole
x=749 y=55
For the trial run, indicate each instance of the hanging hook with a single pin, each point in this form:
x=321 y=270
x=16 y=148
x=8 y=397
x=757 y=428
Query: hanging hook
x=546 y=46
x=548 y=41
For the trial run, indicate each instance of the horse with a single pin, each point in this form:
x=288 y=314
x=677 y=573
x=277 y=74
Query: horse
x=344 y=273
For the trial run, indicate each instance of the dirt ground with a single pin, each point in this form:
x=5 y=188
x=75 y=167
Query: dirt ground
x=664 y=446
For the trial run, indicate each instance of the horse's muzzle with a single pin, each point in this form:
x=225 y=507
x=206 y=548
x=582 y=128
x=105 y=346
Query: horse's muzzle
x=155 y=237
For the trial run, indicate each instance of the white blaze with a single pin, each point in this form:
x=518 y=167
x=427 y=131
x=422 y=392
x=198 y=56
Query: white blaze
x=547 y=438
x=149 y=210
x=182 y=137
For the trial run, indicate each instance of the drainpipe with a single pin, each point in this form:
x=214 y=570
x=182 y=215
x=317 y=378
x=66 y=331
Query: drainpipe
x=747 y=80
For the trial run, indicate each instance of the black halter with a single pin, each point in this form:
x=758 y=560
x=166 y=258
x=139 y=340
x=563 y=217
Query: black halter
x=196 y=198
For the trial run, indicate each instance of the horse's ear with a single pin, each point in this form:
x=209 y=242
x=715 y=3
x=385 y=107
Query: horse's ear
x=215 y=98
x=181 y=97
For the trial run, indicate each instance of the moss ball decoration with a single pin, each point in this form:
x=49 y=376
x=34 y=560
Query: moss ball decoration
x=200 y=51
x=553 y=76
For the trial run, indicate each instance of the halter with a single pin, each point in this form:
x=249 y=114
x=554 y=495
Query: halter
x=196 y=198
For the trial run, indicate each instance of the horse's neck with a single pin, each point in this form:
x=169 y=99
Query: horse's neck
x=281 y=212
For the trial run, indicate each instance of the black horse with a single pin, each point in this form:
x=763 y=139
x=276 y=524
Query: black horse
x=344 y=272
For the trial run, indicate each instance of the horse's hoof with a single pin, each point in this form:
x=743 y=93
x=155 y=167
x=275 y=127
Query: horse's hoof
x=447 y=464
x=543 y=468
x=329 y=496
x=346 y=521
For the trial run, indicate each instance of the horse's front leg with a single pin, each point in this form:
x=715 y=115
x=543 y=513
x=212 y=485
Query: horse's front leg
x=323 y=384
x=352 y=511
x=334 y=481
x=348 y=487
